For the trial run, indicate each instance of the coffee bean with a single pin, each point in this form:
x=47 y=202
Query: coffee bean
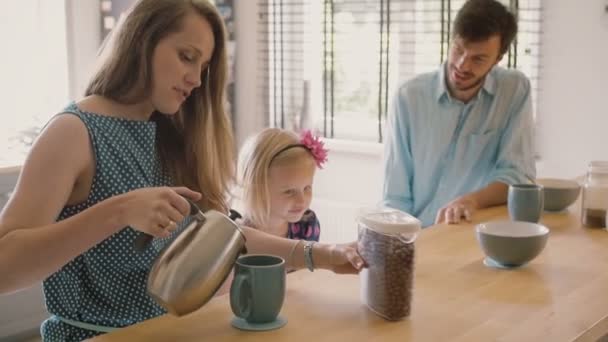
x=387 y=282
x=594 y=218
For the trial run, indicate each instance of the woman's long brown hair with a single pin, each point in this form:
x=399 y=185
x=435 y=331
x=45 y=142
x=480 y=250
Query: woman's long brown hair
x=196 y=145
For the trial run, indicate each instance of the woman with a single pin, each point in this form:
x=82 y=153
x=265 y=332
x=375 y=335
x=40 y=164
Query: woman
x=150 y=131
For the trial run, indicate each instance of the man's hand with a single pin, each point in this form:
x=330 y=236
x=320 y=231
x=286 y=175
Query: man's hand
x=464 y=206
x=461 y=208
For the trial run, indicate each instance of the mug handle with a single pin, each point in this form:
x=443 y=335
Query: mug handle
x=240 y=296
x=541 y=204
x=542 y=200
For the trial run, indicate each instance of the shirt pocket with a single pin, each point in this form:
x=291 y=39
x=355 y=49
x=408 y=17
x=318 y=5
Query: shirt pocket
x=482 y=138
x=480 y=148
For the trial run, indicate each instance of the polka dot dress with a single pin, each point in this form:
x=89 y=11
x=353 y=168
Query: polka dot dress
x=106 y=285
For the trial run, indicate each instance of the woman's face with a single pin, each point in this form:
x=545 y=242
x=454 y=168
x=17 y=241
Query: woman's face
x=178 y=63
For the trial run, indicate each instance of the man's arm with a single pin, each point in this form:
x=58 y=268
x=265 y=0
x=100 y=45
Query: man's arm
x=397 y=191
x=464 y=206
x=493 y=194
x=515 y=161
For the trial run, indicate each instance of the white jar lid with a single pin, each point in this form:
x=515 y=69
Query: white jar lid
x=390 y=221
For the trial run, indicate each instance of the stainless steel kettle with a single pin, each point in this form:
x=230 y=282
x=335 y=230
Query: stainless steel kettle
x=189 y=271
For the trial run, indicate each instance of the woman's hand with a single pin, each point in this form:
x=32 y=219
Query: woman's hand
x=156 y=211
x=344 y=258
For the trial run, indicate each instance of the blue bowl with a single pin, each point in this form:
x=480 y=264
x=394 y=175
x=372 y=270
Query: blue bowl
x=559 y=193
x=511 y=243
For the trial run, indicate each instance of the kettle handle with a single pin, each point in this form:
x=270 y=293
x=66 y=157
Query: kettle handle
x=143 y=240
x=234 y=215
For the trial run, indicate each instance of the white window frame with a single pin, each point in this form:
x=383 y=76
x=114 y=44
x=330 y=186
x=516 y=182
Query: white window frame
x=83 y=22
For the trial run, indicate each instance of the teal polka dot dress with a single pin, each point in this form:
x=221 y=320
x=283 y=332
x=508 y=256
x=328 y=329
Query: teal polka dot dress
x=106 y=285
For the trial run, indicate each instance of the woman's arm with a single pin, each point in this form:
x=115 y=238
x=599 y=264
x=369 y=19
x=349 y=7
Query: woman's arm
x=34 y=246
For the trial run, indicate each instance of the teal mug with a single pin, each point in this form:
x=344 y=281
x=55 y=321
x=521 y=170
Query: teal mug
x=258 y=288
x=525 y=202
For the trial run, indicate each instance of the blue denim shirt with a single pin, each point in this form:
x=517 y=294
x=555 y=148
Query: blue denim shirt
x=439 y=148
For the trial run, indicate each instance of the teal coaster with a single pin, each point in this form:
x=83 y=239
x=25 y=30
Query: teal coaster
x=495 y=264
x=242 y=324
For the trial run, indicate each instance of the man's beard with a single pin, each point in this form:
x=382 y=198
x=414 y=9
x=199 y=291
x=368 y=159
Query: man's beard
x=472 y=86
x=479 y=81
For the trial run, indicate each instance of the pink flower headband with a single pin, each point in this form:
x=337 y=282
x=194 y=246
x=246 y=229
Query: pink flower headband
x=313 y=144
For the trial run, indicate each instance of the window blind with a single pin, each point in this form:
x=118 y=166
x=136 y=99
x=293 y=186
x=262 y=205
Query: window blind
x=332 y=65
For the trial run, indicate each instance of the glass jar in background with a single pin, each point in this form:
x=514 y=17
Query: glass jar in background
x=386 y=243
x=594 y=204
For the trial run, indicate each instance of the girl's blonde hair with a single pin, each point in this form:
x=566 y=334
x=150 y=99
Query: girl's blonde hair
x=257 y=154
x=195 y=145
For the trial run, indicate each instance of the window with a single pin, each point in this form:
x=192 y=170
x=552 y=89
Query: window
x=332 y=65
x=33 y=65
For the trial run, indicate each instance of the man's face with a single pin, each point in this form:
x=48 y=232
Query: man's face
x=469 y=62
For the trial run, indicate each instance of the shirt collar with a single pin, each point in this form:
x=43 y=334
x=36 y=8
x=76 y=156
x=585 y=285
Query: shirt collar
x=441 y=87
x=489 y=84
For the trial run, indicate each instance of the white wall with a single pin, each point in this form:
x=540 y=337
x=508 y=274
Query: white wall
x=83 y=38
x=574 y=86
x=248 y=120
x=350 y=180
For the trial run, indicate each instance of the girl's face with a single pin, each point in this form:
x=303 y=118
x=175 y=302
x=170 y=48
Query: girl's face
x=290 y=187
x=178 y=63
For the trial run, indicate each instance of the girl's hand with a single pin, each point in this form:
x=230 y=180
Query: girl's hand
x=156 y=211
x=345 y=259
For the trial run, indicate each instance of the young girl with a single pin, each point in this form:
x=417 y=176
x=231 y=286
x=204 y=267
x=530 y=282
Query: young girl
x=276 y=169
x=150 y=131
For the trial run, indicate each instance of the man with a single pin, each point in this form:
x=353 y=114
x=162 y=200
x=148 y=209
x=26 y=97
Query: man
x=458 y=136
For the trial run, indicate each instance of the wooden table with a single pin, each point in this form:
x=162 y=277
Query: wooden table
x=562 y=295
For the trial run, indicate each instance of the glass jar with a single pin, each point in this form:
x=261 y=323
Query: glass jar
x=386 y=243
x=594 y=204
